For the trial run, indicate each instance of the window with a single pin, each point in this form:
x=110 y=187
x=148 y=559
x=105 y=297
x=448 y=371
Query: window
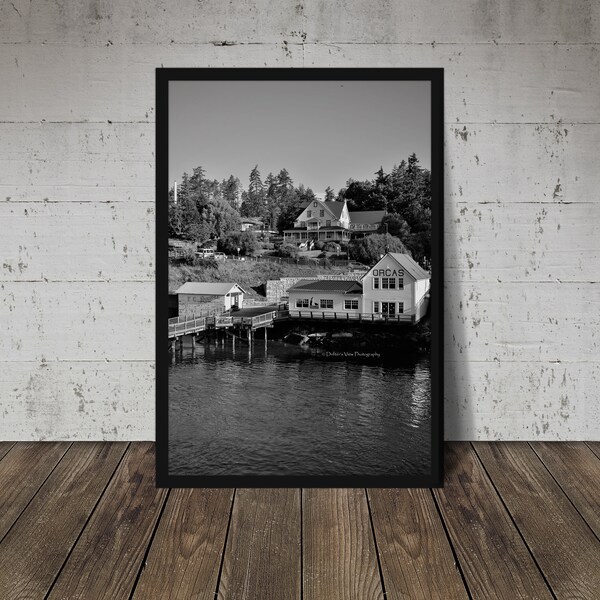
x=351 y=304
x=388 y=283
x=400 y=284
x=321 y=213
x=315 y=204
x=302 y=303
x=329 y=234
x=328 y=223
x=302 y=223
x=309 y=213
x=375 y=283
x=326 y=303
x=375 y=307
x=400 y=307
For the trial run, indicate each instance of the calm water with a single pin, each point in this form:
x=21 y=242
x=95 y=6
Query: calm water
x=284 y=410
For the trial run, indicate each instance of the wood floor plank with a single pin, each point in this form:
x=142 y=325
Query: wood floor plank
x=22 y=473
x=565 y=548
x=262 y=554
x=594 y=447
x=186 y=552
x=494 y=559
x=577 y=470
x=415 y=555
x=107 y=557
x=339 y=556
x=5 y=447
x=36 y=547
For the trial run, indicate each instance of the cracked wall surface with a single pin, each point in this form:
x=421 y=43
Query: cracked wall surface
x=522 y=206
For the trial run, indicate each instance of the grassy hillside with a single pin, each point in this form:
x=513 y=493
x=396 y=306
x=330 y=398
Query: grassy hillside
x=246 y=273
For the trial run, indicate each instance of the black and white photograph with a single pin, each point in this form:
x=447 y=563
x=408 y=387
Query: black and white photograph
x=299 y=240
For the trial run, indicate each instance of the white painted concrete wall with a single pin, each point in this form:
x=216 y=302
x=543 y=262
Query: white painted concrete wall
x=522 y=209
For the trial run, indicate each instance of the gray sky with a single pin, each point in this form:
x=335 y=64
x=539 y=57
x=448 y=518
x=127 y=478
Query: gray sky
x=323 y=133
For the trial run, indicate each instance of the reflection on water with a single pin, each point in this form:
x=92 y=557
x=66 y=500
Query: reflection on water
x=284 y=410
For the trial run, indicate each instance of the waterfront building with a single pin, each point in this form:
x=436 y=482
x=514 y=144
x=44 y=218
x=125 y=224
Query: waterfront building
x=196 y=298
x=396 y=287
x=326 y=295
x=332 y=221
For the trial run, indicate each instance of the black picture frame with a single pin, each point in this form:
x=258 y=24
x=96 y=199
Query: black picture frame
x=166 y=75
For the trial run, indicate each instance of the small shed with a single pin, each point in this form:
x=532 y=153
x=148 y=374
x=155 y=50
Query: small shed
x=197 y=297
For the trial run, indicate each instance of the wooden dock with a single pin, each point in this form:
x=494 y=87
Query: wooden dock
x=85 y=520
x=180 y=326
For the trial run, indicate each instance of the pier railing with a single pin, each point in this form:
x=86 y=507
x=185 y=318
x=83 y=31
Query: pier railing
x=347 y=316
x=186 y=327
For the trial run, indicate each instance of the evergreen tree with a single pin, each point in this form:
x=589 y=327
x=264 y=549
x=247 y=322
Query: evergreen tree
x=231 y=191
x=253 y=204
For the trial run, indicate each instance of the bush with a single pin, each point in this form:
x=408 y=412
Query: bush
x=244 y=240
x=331 y=247
x=368 y=250
x=287 y=251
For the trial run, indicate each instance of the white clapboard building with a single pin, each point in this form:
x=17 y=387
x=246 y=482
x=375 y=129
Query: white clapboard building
x=396 y=285
x=396 y=288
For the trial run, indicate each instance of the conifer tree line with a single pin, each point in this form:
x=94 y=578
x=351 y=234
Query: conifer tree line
x=210 y=209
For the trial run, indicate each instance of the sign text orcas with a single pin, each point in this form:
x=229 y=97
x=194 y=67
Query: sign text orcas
x=387 y=273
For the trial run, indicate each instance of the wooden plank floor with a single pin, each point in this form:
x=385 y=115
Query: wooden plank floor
x=514 y=520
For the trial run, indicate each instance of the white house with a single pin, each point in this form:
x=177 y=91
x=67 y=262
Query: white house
x=320 y=220
x=396 y=285
x=331 y=221
x=198 y=298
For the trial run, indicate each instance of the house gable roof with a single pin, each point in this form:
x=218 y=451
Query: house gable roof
x=407 y=263
x=326 y=285
x=209 y=289
x=366 y=217
x=335 y=209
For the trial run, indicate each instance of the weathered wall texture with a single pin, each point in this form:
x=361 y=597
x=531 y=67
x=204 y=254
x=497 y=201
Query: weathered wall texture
x=522 y=211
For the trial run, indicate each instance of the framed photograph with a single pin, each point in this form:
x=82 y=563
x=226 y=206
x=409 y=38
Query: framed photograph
x=299 y=277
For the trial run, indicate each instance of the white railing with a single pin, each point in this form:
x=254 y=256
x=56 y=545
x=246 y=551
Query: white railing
x=350 y=316
x=187 y=326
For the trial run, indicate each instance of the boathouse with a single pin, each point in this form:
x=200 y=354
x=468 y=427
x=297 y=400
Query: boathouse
x=201 y=298
x=396 y=285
